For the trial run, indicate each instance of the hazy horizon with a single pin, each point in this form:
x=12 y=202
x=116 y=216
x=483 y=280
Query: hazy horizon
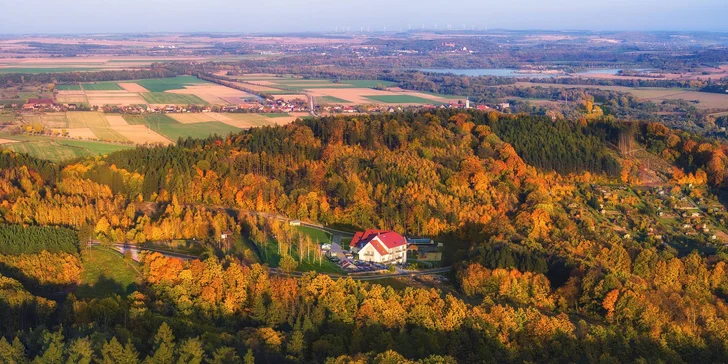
x=286 y=16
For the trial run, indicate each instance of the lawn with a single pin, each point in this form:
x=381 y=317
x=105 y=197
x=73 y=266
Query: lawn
x=166 y=84
x=60 y=150
x=68 y=87
x=174 y=130
x=400 y=99
x=102 y=86
x=172 y=99
x=331 y=100
x=105 y=272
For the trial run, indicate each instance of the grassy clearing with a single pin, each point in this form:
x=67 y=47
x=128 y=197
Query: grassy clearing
x=400 y=99
x=102 y=86
x=105 y=272
x=174 y=130
x=172 y=99
x=166 y=84
x=68 y=87
x=278 y=115
x=331 y=100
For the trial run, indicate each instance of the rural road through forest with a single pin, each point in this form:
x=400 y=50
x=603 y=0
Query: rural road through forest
x=135 y=250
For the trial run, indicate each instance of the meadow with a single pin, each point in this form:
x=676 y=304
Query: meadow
x=106 y=272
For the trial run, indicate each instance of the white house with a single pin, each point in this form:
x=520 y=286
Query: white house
x=385 y=247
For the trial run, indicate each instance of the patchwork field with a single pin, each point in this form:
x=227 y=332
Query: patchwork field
x=215 y=94
x=122 y=97
x=173 y=130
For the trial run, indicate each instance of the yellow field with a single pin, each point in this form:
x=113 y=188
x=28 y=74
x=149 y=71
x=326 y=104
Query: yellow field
x=115 y=120
x=7 y=141
x=191 y=118
x=141 y=134
x=86 y=119
x=78 y=133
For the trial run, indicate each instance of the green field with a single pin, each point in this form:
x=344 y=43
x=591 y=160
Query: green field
x=400 y=99
x=252 y=119
x=331 y=100
x=102 y=86
x=367 y=83
x=174 y=130
x=58 y=150
x=172 y=99
x=278 y=115
x=68 y=87
x=97 y=123
x=166 y=84
x=105 y=272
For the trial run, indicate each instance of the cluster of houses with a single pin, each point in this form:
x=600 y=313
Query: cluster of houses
x=348 y=109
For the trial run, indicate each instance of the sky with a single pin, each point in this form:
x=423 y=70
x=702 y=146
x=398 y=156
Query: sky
x=279 y=16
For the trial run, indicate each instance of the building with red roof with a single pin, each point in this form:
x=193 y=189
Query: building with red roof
x=379 y=246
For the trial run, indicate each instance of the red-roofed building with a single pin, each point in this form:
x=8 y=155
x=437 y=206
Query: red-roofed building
x=378 y=246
